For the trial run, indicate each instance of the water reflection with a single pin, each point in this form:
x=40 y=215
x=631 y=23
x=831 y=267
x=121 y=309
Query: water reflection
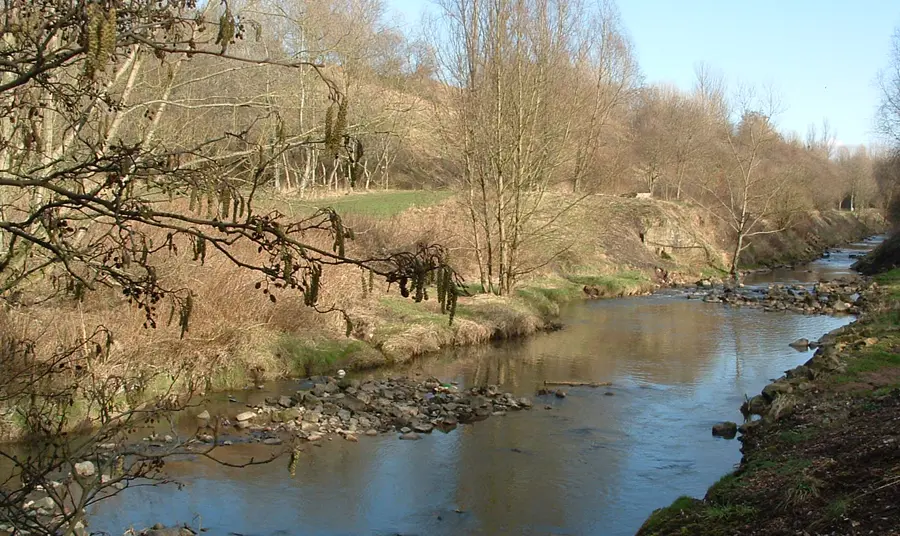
x=593 y=464
x=590 y=464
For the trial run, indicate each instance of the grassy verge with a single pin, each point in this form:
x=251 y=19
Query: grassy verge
x=830 y=464
x=400 y=329
x=380 y=204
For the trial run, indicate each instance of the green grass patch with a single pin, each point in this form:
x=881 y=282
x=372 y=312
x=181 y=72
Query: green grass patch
x=872 y=361
x=721 y=492
x=306 y=357
x=547 y=299
x=837 y=508
x=891 y=278
x=711 y=272
x=729 y=513
x=233 y=376
x=408 y=310
x=614 y=284
x=379 y=204
x=659 y=519
x=796 y=436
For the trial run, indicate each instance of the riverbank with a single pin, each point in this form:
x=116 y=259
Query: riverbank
x=238 y=339
x=641 y=247
x=824 y=458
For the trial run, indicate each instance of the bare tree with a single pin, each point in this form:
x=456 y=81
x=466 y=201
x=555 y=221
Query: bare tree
x=888 y=118
x=747 y=192
x=87 y=208
x=518 y=69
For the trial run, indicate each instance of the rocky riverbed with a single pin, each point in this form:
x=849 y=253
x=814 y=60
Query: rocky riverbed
x=324 y=406
x=839 y=296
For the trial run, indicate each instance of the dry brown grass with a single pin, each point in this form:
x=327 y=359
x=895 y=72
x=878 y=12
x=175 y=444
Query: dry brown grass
x=234 y=329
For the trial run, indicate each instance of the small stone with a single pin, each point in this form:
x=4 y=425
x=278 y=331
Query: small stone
x=423 y=427
x=85 y=469
x=560 y=393
x=285 y=401
x=800 y=344
x=309 y=426
x=314 y=437
x=410 y=436
x=351 y=438
x=227 y=443
x=41 y=504
x=169 y=439
x=272 y=441
x=405 y=430
x=245 y=416
x=525 y=402
x=204 y=415
x=609 y=393
x=371 y=432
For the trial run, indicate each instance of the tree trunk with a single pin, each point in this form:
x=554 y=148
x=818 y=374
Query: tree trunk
x=736 y=257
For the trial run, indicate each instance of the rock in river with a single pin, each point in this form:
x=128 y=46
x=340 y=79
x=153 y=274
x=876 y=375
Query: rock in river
x=410 y=436
x=245 y=416
x=85 y=469
x=423 y=427
x=800 y=344
x=726 y=430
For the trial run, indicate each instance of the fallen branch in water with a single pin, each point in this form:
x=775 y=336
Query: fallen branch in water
x=580 y=384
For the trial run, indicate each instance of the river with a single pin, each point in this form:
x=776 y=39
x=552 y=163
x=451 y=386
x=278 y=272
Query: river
x=596 y=462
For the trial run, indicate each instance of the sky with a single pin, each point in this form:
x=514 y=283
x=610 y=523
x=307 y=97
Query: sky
x=822 y=57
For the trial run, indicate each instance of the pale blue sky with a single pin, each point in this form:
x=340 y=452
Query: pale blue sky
x=822 y=56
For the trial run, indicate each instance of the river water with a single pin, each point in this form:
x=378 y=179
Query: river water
x=596 y=462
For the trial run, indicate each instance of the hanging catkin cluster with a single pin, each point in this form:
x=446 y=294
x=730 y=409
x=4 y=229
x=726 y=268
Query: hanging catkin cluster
x=226 y=29
x=415 y=273
x=99 y=38
x=311 y=286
